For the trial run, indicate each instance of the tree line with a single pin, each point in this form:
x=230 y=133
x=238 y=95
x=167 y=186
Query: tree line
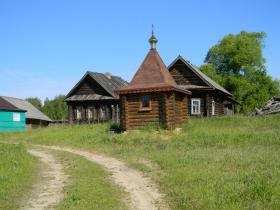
x=56 y=109
x=236 y=62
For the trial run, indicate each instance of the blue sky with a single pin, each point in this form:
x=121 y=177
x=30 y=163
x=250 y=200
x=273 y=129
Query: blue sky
x=46 y=46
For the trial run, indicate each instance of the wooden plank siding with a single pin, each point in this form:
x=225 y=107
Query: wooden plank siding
x=206 y=98
x=109 y=109
x=185 y=108
x=89 y=86
x=123 y=112
x=189 y=77
x=184 y=76
x=181 y=109
x=219 y=105
x=203 y=104
x=136 y=118
x=168 y=110
x=92 y=99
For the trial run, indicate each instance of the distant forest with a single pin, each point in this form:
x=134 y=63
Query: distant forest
x=56 y=109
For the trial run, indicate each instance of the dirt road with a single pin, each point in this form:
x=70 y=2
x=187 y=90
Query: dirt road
x=47 y=191
x=142 y=192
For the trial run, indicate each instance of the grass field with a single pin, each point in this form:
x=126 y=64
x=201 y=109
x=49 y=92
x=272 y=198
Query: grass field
x=16 y=172
x=89 y=187
x=218 y=163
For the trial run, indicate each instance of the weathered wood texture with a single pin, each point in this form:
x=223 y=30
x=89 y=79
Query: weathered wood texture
x=136 y=118
x=206 y=98
x=203 y=104
x=123 y=112
x=184 y=76
x=34 y=123
x=89 y=86
x=93 y=100
x=271 y=107
x=93 y=111
x=219 y=105
x=167 y=111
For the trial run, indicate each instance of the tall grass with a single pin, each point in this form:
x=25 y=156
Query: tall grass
x=16 y=171
x=213 y=163
x=89 y=187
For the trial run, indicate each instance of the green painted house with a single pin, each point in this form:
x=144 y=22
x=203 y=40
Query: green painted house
x=11 y=117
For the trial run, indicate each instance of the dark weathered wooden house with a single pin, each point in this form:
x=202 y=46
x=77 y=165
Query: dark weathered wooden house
x=93 y=100
x=208 y=98
x=152 y=97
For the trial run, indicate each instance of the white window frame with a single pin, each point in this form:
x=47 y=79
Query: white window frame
x=16 y=117
x=213 y=107
x=192 y=105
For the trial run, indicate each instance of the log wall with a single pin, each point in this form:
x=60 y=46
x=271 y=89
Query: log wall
x=168 y=110
x=206 y=98
x=184 y=76
x=101 y=111
x=136 y=118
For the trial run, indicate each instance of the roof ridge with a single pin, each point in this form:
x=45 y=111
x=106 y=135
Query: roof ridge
x=13 y=98
x=160 y=66
x=210 y=82
x=32 y=111
x=6 y=105
x=115 y=82
x=152 y=65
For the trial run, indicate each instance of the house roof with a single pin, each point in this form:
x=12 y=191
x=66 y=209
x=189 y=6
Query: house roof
x=5 y=105
x=152 y=75
x=211 y=83
x=109 y=82
x=31 y=111
x=89 y=97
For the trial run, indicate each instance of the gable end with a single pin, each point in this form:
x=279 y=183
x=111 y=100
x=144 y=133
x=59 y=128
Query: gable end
x=87 y=85
x=183 y=75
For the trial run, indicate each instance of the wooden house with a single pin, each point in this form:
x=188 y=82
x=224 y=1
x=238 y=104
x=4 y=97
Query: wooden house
x=152 y=97
x=33 y=118
x=11 y=117
x=208 y=98
x=92 y=99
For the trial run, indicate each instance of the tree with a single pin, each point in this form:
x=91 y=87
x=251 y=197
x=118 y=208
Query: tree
x=277 y=84
x=56 y=109
x=237 y=63
x=35 y=101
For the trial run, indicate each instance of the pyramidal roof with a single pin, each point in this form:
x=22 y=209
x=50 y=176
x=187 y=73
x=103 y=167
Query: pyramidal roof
x=152 y=72
x=152 y=75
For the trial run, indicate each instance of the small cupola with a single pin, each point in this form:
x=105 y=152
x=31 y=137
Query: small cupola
x=153 y=40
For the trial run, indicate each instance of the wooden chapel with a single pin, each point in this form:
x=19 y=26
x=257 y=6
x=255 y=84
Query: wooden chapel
x=152 y=97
